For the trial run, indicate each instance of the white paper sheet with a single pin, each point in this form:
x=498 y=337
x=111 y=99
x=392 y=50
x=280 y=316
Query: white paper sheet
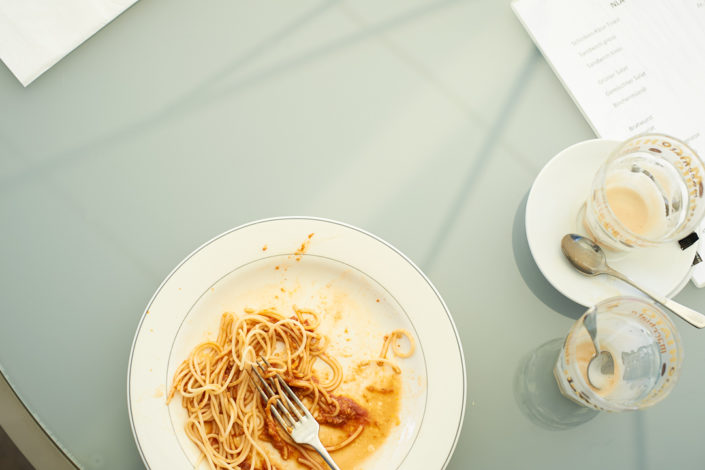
x=36 y=34
x=631 y=66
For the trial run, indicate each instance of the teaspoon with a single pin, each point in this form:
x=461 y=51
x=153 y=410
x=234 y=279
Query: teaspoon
x=602 y=361
x=589 y=259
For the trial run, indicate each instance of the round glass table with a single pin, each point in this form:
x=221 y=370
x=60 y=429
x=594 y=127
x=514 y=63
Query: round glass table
x=423 y=122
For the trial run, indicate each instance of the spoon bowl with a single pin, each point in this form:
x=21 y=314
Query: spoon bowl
x=585 y=255
x=600 y=371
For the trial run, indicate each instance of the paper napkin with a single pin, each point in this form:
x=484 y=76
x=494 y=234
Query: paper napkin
x=36 y=34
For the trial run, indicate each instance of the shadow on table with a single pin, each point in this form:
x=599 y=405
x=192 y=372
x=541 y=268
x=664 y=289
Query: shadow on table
x=538 y=396
x=531 y=274
x=10 y=455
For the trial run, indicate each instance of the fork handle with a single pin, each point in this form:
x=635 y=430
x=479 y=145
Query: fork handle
x=318 y=447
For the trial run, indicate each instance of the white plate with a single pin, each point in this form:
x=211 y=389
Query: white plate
x=346 y=273
x=556 y=196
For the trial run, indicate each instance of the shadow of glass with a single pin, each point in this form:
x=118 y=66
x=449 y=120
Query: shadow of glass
x=538 y=396
x=531 y=273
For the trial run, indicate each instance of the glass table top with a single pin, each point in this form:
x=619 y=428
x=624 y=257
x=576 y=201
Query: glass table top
x=424 y=122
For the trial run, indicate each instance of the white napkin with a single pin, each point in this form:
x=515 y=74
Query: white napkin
x=36 y=34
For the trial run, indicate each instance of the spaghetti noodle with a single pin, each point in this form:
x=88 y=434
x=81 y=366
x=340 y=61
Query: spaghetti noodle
x=392 y=340
x=228 y=421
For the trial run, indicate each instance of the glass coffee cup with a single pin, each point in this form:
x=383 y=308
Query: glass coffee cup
x=646 y=355
x=648 y=192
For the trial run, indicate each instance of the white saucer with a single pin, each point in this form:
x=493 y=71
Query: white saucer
x=556 y=196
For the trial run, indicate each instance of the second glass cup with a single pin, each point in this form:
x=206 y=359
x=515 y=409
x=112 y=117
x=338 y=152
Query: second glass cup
x=646 y=351
x=649 y=191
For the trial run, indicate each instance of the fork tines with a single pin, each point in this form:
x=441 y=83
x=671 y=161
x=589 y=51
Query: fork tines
x=288 y=409
x=287 y=404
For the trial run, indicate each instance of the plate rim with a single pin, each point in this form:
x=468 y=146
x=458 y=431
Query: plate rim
x=345 y=225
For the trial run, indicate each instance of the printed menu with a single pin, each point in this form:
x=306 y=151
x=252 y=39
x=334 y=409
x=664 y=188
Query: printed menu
x=631 y=66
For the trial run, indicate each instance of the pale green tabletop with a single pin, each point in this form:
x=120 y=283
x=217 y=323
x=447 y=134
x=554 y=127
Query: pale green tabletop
x=424 y=122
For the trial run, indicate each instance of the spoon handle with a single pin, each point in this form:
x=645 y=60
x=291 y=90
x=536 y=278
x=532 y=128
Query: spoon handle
x=691 y=316
x=590 y=324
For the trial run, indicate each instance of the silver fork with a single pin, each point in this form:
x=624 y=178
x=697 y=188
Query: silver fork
x=303 y=428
